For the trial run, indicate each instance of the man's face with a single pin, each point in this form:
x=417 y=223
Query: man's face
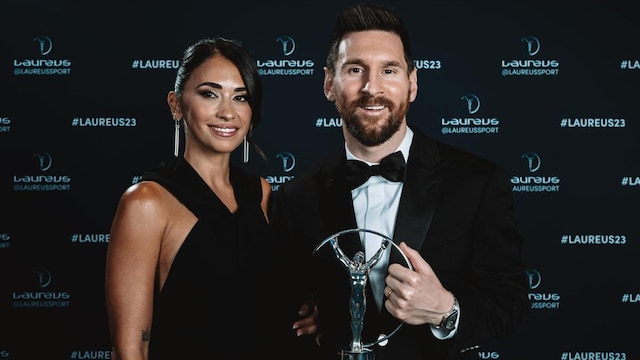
x=371 y=87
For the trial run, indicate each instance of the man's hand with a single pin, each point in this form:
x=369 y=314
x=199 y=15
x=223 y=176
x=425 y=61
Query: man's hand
x=416 y=296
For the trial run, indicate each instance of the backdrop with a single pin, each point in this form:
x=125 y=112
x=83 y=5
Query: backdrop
x=548 y=91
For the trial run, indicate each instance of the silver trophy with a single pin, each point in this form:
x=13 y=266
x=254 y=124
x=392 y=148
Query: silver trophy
x=358 y=269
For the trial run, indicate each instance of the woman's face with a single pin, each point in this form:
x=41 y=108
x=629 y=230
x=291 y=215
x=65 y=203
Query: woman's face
x=214 y=107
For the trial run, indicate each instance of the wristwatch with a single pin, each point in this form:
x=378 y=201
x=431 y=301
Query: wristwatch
x=449 y=319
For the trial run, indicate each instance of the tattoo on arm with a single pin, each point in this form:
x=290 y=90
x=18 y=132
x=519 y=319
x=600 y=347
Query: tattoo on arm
x=145 y=335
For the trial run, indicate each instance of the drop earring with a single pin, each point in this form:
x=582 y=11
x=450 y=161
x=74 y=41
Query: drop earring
x=245 y=150
x=176 y=138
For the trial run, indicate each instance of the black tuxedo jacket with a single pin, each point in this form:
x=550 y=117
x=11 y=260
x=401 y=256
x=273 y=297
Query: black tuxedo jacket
x=456 y=209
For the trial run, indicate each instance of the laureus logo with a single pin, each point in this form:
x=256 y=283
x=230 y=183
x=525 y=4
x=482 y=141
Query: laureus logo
x=288 y=161
x=45 y=44
x=41 y=298
x=44 y=277
x=288 y=44
x=534 y=183
x=473 y=103
x=286 y=66
x=534 y=278
x=533 y=161
x=44 y=160
x=540 y=300
x=533 y=44
x=42 y=182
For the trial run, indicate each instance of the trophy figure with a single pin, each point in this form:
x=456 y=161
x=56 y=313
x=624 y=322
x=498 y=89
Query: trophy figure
x=358 y=269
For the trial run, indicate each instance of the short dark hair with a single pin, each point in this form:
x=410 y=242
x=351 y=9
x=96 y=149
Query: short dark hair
x=364 y=17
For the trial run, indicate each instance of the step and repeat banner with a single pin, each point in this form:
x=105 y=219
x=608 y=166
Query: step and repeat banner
x=548 y=91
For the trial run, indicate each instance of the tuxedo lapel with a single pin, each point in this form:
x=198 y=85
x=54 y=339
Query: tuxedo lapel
x=420 y=194
x=417 y=206
x=336 y=205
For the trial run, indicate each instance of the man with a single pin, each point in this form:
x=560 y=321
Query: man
x=451 y=213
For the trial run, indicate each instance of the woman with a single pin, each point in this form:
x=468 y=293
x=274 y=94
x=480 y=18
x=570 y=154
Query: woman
x=189 y=259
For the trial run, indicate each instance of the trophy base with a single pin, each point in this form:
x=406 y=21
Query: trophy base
x=365 y=354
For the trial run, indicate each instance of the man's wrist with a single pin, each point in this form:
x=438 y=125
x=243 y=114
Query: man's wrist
x=450 y=318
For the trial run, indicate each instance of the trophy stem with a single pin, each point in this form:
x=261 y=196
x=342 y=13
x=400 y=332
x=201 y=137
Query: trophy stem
x=365 y=354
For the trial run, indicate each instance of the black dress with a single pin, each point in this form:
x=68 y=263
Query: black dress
x=215 y=303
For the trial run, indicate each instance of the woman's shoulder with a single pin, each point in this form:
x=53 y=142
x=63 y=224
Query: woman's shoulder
x=145 y=196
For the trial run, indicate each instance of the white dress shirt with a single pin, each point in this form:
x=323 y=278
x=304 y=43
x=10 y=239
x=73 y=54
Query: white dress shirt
x=376 y=205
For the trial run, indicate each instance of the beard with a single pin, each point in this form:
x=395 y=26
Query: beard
x=363 y=128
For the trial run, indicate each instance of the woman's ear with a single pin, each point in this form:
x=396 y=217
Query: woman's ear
x=174 y=106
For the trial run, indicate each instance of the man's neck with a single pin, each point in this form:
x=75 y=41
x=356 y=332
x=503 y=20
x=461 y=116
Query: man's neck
x=374 y=154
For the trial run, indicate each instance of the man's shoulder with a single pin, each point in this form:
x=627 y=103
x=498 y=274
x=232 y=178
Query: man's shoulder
x=452 y=154
x=456 y=153
x=317 y=174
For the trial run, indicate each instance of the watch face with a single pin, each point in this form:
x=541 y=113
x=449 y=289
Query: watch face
x=450 y=321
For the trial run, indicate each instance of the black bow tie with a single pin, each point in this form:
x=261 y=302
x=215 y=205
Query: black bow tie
x=392 y=168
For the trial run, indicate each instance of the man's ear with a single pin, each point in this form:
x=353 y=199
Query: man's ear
x=413 y=85
x=328 y=85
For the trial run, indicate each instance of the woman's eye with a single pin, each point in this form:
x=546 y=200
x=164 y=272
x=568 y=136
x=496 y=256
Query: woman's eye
x=207 y=93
